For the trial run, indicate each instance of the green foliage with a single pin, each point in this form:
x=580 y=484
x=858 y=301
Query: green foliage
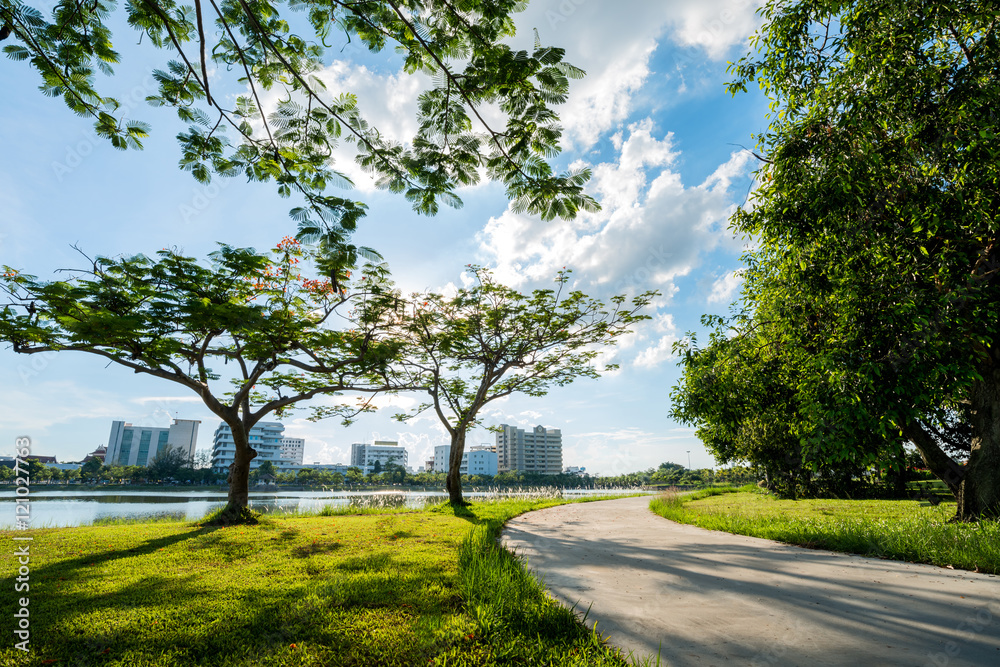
x=167 y=463
x=742 y=393
x=871 y=295
x=174 y=318
x=267 y=469
x=897 y=529
x=252 y=48
x=91 y=469
x=489 y=341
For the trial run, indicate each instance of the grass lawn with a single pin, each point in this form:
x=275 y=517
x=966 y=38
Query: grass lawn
x=896 y=529
x=427 y=587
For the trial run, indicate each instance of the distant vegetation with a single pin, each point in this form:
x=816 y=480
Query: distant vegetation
x=167 y=470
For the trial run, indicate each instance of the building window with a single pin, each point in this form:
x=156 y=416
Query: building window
x=143 y=447
x=161 y=444
x=126 y=448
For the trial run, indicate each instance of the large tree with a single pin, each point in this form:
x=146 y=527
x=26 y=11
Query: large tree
x=167 y=463
x=260 y=316
x=741 y=392
x=876 y=217
x=489 y=341
x=218 y=50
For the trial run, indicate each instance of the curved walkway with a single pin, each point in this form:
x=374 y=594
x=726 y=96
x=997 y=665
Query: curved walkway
x=712 y=598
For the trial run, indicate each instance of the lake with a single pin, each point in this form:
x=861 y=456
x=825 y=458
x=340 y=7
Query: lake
x=69 y=507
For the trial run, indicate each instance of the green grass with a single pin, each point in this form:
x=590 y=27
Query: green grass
x=895 y=529
x=424 y=587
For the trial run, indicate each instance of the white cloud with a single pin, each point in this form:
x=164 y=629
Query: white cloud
x=646 y=235
x=614 y=42
x=656 y=354
x=713 y=25
x=725 y=287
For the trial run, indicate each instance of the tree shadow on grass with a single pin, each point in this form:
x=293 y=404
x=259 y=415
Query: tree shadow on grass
x=365 y=612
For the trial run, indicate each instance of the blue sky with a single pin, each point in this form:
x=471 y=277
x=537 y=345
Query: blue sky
x=652 y=119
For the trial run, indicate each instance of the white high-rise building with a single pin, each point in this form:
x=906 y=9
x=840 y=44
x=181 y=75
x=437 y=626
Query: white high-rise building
x=538 y=451
x=130 y=445
x=364 y=456
x=475 y=461
x=265 y=437
x=293 y=449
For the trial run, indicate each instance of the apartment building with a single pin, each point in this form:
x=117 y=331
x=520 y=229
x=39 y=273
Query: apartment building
x=364 y=455
x=475 y=460
x=293 y=449
x=538 y=451
x=265 y=437
x=130 y=445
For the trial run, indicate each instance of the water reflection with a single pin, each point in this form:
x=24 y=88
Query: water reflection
x=56 y=508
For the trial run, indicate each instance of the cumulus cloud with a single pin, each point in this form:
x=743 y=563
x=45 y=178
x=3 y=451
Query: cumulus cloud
x=651 y=230
x=656 y=354
x=724 y=288
x=615 y=41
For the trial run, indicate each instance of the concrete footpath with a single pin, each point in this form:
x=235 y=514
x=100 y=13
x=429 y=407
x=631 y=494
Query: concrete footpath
x=711 y=598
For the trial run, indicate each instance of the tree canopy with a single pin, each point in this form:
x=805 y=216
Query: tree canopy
x=219 y=50
x=178 y=319
x=489 y=341
x=876 y=270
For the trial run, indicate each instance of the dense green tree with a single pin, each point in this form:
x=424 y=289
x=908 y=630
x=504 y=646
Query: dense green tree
x=167 y=464
x=173 y=317
x=38 y=471
x=742 y=394
x=252 y=49
x=266 y=470
x=394 y=473
x=91 y=470
x=876 y=219
x=488 y=341
x=305 y=476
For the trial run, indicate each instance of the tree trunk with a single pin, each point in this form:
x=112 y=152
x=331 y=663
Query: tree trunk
x=976 y=485
x=935 y=458
x=239 y=472
x=454 y=480
x=979 y=493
